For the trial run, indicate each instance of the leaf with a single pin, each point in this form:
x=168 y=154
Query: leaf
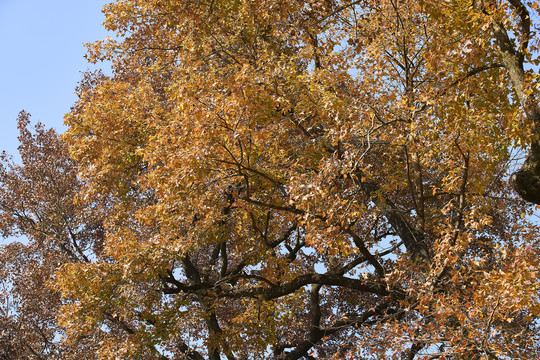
x=291 y=175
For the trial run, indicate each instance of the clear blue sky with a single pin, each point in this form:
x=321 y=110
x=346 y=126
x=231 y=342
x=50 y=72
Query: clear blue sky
x=42 y=56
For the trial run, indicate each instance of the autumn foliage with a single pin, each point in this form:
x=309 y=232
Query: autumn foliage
x=262 y=179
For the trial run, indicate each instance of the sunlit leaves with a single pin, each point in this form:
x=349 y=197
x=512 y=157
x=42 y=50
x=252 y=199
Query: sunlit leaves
x=304 y=177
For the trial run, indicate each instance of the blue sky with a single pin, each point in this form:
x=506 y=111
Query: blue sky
x=42 y=59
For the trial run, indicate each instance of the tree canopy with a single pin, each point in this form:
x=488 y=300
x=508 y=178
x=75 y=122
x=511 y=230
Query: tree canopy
x=260 y=179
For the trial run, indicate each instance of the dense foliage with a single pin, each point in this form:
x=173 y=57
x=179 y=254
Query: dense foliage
x=261 y=179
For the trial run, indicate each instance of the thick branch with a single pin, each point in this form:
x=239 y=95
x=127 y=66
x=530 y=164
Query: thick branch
x=365 y=252
x=526 y=181
x=411 y=353
x=412 y=238
x=190 y=354
x=274 y=292
x=302 y=349
x=290 y=287
x=525 y=24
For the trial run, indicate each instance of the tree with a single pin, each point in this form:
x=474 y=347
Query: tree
x=37 y=202
x=309 y=179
